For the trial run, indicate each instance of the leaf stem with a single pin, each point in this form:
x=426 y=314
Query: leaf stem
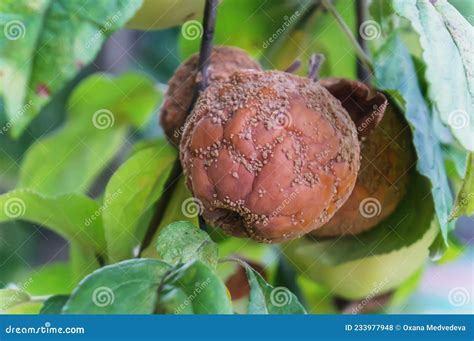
x=363 y=57
x=209 y=23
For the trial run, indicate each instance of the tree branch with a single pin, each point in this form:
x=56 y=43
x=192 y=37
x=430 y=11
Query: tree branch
x=209 y=22
x=363 y=74
x=355 y=44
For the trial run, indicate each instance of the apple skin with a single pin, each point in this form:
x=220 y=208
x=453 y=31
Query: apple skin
x=358 y=279
x=159 y=14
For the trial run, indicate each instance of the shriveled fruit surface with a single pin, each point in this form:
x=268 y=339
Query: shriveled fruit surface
x=386 y=158
x=271 y=155
x=223 y=62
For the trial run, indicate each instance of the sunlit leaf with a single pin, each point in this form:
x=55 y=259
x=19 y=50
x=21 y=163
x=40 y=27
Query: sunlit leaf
x=394 y=70
x=72 y=216
x=130 y=287
x=181 y=242
x=134 y=187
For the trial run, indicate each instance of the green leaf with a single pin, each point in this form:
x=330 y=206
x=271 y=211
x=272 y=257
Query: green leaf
x=394 y=70
x=15 y=301
x=129 y=98
x=382 y=12
x=10 y=298
x=194 y=289
x=464 y=204
x=69 y=160
x=134 y=187
x=72 y=216
x=446 y=38
x=129 y=287
x=101 y=109
x=325 y=31
x=181 y=242
x=456 y=162
x=52 y=279
x=265 y=299
x=48 y=42
x=54 y=304
x=408 y=224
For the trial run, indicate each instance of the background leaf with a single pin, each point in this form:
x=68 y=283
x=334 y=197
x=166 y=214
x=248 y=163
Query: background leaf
x=181 y=242
x=134 y=187
x=53 y=41
x=446 y=39
x=131 y=97
x=69 y=215
x=394 y=70
x=52 y=279
x=464 y=204
x=257 y=22
x=70 y=159
x=11 y=297
x=130 y=287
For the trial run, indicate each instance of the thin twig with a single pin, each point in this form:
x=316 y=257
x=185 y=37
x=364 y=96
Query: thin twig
x=315 y=62
x=361 y=13
x=358 y=50
x=293 y=66
x=209 y=22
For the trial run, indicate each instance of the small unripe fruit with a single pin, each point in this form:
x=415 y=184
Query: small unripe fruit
x=224 y=61
x=358 y=279
x=386 y=158
x=271 y=156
